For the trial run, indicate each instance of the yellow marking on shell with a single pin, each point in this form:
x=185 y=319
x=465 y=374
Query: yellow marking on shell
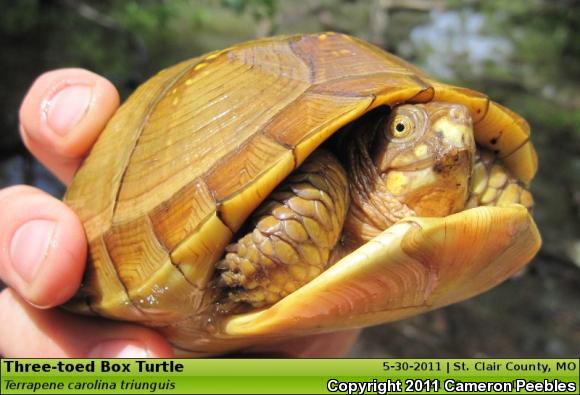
x=397 y=182
x=213 y=55
x=421 y=151
x=323 y=37
x=189 y=81
x=345 y=52
x=233 y=209
x=335 y=53
x=197 y=254
x=173 y=91
x=175 y=101
x=199 y=66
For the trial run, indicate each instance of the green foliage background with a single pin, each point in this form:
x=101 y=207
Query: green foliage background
x=534 y=69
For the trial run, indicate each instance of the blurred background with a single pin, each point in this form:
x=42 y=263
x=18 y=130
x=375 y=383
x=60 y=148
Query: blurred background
x=525 y=54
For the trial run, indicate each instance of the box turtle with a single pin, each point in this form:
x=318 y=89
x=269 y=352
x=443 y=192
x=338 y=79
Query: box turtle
x=296 y=185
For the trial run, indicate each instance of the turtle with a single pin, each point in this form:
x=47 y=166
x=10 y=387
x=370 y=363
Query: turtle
x=296 y=185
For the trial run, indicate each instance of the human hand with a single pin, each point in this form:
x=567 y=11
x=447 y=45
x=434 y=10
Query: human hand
x=43 y=246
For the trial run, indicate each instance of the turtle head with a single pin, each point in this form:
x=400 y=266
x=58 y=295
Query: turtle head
x=425 y=156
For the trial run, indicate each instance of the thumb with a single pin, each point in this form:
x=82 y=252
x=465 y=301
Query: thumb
x=42 y=246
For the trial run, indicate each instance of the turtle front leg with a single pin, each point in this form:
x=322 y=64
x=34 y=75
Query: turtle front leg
x=493 y=185
x=295 y=231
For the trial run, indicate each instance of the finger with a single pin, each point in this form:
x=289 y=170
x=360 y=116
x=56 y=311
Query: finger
x=57 y=334
x=325 y=345
x=62 y=115
x=42 y=246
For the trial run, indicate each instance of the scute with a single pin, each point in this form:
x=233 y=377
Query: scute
x=210 y=138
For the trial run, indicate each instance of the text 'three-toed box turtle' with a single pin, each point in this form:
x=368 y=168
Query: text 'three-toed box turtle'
x=297 y=185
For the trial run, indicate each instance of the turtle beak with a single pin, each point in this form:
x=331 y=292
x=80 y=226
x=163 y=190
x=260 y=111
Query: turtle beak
x=454 y=160
x=455 y=130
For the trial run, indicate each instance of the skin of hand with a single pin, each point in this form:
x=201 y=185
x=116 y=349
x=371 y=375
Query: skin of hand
x=43 y=247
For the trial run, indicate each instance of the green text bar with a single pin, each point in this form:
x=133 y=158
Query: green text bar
x=289 y=376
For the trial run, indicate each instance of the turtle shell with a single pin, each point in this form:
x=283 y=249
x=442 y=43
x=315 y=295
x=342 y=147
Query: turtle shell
x=195 y=150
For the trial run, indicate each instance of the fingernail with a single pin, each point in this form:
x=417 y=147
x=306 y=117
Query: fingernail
x=64 y=109
x=29 y=247
x=119 y=349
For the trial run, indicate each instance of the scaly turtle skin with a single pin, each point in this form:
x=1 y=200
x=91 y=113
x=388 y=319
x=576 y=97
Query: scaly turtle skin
x=198 y=158
x=413 y=160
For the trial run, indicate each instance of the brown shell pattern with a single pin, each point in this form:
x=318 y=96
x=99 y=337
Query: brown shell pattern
x=199 y=146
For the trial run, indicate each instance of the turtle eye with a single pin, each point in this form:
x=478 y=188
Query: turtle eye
x=401 y=126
